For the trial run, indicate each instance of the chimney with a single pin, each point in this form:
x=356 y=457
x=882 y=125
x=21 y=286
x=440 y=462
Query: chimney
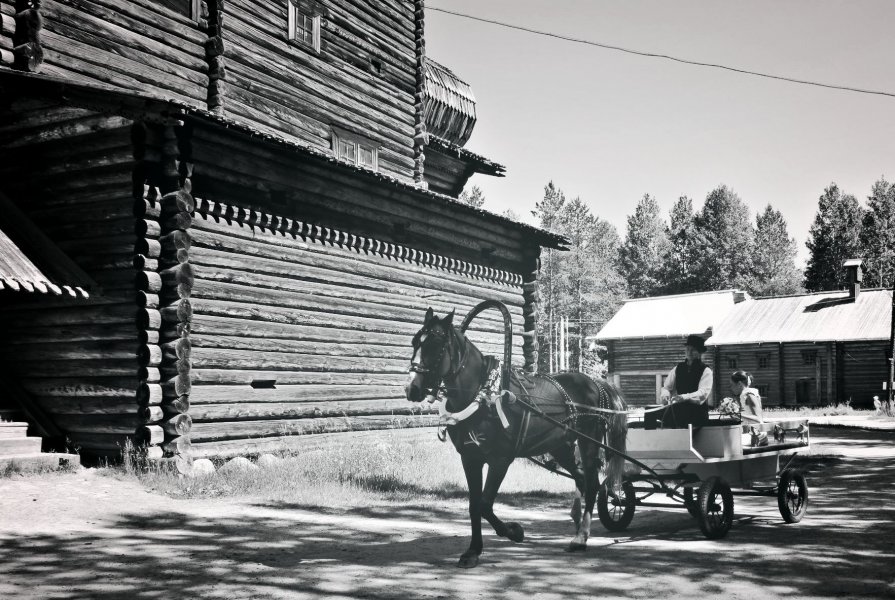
x=854 y=267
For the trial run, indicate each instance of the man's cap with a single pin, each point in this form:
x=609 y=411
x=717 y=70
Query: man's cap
x=696 y=342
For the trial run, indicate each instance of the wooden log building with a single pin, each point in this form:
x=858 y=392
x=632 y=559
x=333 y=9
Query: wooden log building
x=810 y=349
x=259 y=199
x=645 y=338
x=802 y=350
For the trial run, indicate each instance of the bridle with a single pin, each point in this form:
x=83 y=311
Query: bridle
x=449 y=339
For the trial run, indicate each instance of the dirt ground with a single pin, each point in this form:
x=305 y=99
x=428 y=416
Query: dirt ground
x=83 y=535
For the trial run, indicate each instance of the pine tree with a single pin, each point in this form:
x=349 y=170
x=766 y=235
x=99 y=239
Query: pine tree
x=725 y=239
x=774 y=271
x=878 y=235
x=474 y=197
x=678 y=272
x=834 y=237
x=646 y=243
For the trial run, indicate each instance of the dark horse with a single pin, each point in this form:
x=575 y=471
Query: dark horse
x=443 y=356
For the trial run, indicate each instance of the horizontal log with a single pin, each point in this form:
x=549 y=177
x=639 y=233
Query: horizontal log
x=74 y=351
x=247 y=411
x=100 y=441
x=228 y=430
x=302 y=444
x=83 y=387
x=214 y=377
x=215 y=358
x=177 y=405
x=286 y=393
x=179 y=311
x=120 y=424
x=17 y=333
x=78 y=368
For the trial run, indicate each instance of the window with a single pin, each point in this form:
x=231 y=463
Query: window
x=731 y=361
x=809 y=357
x=187 y=8
x=763 y=361
x=762 y=391
x=355 y=149
x=304 y=24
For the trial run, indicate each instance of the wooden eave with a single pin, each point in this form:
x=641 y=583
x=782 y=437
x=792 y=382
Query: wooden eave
x=127 y=103
x=477 y=162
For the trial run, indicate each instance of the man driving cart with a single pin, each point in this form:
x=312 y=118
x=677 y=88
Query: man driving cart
x=686 y=393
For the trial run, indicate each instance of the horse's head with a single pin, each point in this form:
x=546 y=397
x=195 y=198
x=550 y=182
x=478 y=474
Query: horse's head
x=436 y=353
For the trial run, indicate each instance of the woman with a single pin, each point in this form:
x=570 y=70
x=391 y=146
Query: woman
x=748 y=397
x=747 y=402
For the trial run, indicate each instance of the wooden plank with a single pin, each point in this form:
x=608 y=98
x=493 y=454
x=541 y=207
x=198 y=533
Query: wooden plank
x=220 y=358
x=213 y=377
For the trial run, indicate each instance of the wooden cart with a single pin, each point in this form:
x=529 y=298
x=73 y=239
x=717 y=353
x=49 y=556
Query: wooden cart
x=702 y=468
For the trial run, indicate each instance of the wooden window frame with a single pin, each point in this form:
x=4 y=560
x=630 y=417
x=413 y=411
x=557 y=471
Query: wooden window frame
x=341 y=136
x=732 y=361
x=195 y=10
x=762 y=390
x=294 y=10
x=809 y=358
x=763 y=360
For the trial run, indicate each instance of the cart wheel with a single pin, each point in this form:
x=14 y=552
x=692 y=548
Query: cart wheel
x=715 y=508
x=792 y=495
x=616 y=510
x=690 y=503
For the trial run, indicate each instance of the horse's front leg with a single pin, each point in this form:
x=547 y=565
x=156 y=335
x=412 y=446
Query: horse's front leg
x=472 y=466
x=497 y=469
x=590 y=461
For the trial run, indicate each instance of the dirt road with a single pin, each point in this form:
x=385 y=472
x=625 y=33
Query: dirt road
x=86 y=536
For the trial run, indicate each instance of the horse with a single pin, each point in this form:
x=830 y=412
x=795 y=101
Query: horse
x=551 y=413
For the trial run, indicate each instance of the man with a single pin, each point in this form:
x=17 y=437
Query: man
x=687 y=390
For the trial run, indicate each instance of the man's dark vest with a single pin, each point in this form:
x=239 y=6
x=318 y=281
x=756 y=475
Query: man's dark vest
x=686 y=379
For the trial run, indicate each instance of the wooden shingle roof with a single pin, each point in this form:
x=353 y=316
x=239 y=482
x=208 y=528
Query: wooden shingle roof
x=19 y=273
x=448 y=104
x=822 y=317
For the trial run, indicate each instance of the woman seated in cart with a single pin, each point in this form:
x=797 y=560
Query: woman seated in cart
x=746 y=404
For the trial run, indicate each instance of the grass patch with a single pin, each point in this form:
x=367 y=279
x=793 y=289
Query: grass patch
x=804 y=412
x=350 y=474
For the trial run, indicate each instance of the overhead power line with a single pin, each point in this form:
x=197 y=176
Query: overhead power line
x=664 y=56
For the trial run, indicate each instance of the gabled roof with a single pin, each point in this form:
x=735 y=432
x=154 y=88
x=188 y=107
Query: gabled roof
x=671 y=316
x=822 y=317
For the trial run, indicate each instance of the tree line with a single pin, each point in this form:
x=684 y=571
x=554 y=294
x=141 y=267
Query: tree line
x=717 y=246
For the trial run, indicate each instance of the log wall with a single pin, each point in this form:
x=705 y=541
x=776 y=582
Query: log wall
x=864 y=368
x=92 y=365
x=285 y=88
x=141 y=45
x=296 y=328
x=7 y=31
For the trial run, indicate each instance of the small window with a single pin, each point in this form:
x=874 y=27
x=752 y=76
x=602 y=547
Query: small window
x=809 y=357
x=762 y=390
x=356 y=149
x=304 y=24
x=187 y=8
x=763 y=361
x=731 y=361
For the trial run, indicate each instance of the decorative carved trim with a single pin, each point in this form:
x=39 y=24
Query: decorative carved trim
x=419 y=135
x=282 y=226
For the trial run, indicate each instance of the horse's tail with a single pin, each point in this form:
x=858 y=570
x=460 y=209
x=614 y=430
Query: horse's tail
x=616 y=437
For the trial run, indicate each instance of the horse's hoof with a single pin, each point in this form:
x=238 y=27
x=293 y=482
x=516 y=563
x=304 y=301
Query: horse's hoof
x=515 y=532
x=576 y=547
x=468 y=561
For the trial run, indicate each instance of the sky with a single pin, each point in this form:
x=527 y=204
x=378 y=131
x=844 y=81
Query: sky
x=610 y=127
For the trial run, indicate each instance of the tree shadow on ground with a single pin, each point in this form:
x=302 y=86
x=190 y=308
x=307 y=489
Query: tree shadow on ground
x=279 y=550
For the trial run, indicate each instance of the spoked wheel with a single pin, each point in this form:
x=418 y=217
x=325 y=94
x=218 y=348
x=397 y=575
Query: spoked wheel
x=616 y=508
x=792 y=495
x=715 y=504
x=690 y=503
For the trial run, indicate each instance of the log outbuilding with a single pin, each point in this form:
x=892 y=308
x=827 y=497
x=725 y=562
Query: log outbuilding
x=251 y=205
